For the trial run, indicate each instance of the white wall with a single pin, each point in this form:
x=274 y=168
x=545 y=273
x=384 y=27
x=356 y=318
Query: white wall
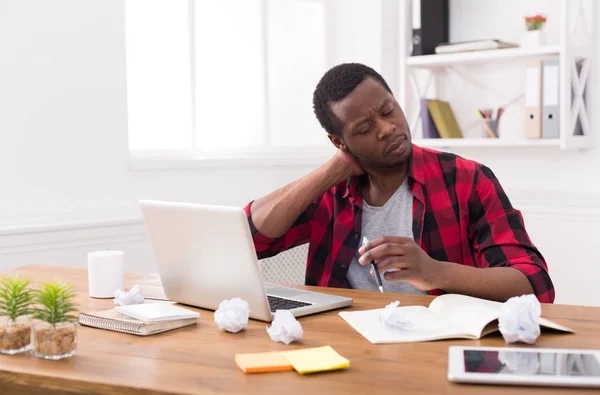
x=64 y=158
x=63 y=150
x=64 y=122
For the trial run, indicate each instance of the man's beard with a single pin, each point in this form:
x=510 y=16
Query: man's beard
x=364 y=161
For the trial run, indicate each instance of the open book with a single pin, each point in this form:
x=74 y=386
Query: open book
x=449 y=316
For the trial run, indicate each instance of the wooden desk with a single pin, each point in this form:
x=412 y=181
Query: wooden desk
x=200 y=359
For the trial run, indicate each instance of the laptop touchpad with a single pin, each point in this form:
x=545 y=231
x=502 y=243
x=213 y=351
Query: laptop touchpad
x=285 y=292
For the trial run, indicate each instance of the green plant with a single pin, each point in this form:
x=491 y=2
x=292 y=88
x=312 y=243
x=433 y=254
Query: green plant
x=55 y=302
x=15 y=297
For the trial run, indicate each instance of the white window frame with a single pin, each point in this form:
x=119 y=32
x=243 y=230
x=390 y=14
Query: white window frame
x=265 y=155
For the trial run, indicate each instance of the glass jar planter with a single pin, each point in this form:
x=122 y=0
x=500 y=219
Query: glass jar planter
x=15 y=336
x=56 y=342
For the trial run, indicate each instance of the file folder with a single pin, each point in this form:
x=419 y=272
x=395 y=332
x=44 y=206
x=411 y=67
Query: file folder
x=429 y=129
x=429 y=25
x=444 y=119
x=533 y=99
x=550 y=99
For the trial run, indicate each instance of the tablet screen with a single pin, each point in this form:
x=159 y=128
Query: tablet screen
x=531 y=363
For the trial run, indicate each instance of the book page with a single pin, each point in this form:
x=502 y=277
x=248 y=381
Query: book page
x=469 y=313
x=553 y=325
x=423 y=325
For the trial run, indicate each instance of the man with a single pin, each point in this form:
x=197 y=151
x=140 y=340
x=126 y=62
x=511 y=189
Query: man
x=436 y=222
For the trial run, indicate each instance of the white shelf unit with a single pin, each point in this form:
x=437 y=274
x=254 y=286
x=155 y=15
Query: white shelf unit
x=481 y=143
x=576 y=97
x=509 y=54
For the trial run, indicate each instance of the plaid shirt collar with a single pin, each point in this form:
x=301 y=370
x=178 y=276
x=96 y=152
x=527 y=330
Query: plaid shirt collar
x=415 y=173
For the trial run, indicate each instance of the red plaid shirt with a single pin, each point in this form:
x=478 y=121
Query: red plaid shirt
x=460 y=214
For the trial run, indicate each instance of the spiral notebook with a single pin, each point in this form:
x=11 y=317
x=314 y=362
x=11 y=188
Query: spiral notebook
x=114 y=321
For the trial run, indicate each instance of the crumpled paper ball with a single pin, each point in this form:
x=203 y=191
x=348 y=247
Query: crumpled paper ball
x=520 y=362
x=133 y=296
x=285 y=327
x=232 y=315
x=519 y=319
x=392 y=317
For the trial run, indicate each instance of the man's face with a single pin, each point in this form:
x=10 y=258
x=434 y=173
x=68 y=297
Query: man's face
x=374 y=128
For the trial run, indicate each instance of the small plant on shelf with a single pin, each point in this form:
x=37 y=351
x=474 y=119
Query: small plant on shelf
x=534 y=36
x=55 y=337
x=535 y=22
x=16 y=298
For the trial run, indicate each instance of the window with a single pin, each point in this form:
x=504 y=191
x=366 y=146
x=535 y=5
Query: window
x=235 y=78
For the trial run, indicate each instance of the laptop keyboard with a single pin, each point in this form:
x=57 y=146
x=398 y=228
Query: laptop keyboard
x=277 y=303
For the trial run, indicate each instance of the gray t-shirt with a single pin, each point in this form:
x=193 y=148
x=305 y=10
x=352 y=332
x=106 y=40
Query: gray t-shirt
x=394 y=218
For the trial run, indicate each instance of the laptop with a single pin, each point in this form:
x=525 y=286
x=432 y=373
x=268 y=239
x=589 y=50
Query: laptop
x=205 y=254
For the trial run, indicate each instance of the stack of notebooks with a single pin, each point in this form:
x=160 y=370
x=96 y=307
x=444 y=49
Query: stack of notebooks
x=142 y=319
x=438 y=120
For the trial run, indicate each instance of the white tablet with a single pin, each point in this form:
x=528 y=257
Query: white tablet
x=524 y=366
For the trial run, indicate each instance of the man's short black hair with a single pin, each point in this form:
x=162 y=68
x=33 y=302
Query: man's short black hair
x=336 y=84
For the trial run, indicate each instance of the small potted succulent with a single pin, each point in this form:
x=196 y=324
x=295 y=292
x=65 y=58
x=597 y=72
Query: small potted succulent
x=15 y=315
x=55 y=336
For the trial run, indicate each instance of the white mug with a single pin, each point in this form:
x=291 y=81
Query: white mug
x=106 y=273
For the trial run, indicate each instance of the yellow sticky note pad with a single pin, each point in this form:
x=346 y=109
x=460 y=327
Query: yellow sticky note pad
x=263 y=362
x=319 y=359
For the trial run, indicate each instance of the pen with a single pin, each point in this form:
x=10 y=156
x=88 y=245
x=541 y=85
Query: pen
x=377 y=276
x=374 y=266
